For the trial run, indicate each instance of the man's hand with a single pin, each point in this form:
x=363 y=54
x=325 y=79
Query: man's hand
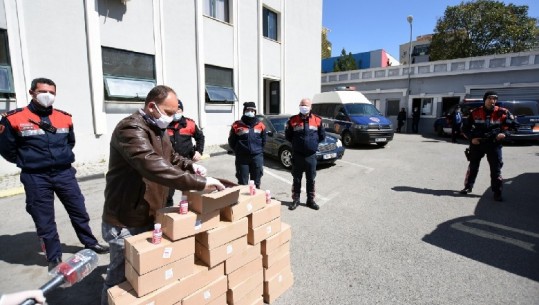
x=197 y=156
x=500 y=136
x=213 y=184
x=19 y=297
x=476 y=141
x=199 y=170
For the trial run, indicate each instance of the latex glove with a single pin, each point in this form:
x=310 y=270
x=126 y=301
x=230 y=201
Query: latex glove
x=197 y=156
x=19 y=297
x=199 y=169
x=213 y=184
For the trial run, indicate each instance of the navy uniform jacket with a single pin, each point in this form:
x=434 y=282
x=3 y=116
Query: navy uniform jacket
x=305 y=132
x=181 y=133
x=247 y=139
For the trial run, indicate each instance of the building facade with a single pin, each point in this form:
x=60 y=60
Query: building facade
x=105 y=55
x=365 y=60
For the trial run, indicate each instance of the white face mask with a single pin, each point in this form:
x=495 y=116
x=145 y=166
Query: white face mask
x=304 y=109
x=177 y=117
x=45 y=99
x=250 y=114
x=164 y=120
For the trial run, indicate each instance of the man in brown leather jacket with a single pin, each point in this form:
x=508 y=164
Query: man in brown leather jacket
x=142 y=168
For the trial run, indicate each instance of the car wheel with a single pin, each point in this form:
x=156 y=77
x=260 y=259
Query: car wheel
x=285 y=156
x=346 y=138
x=440 y=131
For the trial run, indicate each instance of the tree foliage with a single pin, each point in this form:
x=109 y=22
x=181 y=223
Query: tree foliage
x=326 y=44
x=345 y=62
x=483 y=27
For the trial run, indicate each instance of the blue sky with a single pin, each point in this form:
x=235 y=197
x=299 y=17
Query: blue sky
x=362 y=26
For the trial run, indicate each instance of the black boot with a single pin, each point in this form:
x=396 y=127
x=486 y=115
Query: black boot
x=312 y=204
x=466 y=190
x=293 y=205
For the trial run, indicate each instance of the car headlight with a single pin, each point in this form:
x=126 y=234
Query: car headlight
x=338 y=143
x=361 y=127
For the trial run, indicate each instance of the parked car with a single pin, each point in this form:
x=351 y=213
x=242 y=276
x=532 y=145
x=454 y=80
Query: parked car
x=526 y=112
x=329 y=150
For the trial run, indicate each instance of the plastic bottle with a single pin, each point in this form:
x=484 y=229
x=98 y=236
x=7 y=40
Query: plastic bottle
x=268 y=196
x=184 y=205
x=252 y=187
x=157 y=233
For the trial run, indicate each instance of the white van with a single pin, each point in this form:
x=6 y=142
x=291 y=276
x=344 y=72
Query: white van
x=350 y=114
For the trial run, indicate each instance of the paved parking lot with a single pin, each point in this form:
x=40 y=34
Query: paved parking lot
x=392 y=229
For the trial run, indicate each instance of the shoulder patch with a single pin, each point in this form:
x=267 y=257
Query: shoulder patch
x=6 y=114
x=64 y=112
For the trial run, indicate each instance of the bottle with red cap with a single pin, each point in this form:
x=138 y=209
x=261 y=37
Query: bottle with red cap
x=252 y=187
x=157 y=234
x=184 y=205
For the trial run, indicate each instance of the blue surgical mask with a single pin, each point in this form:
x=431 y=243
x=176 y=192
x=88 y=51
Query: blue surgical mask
x=304 y=109
x=250 y=114
x=177 y=117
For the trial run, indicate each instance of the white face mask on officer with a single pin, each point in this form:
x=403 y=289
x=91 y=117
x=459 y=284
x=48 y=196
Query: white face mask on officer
x=177 y=117
x=45 y=99
x=304 y=109
x=250 y=114
x=164 y=120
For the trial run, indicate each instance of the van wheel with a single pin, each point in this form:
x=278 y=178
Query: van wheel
x=346 y=138
x=285 y=156
x=440 y=131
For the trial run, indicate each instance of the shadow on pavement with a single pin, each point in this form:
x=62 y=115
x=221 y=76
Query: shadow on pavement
x=504 y=234
x=427 y=191
x=24 y=249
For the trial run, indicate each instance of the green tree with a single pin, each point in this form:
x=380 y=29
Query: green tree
x=344 y=62
x=483 y=27
x=326 y=44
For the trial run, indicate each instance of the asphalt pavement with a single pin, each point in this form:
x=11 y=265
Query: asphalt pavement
x=392 y=229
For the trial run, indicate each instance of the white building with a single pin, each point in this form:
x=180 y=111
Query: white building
x=105 y=55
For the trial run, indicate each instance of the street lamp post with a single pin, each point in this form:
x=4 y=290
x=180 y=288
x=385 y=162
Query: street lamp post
x=410 y=19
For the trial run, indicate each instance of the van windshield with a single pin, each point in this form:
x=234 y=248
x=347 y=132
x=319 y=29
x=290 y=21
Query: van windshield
x=523 y=108
x=362 y=109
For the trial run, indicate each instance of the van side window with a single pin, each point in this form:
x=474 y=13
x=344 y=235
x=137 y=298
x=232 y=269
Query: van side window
x=340 y=113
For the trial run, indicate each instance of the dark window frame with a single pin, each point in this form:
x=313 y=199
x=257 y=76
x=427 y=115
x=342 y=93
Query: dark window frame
x=270 y=24
x=219 y=83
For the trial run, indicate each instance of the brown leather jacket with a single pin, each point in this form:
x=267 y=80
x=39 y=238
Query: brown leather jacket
x=141 y=172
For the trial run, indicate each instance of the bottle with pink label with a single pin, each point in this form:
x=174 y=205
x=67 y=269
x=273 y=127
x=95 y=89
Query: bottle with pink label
x=157 y=234
x=252 y=187
x=184 y=205
x=268 y=197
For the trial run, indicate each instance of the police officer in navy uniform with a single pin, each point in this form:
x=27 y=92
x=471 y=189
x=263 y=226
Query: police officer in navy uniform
x=304 y=131
x=247 y=139
x=485 y=128
x=39 y=140
x=181 y=132
x=456 y=124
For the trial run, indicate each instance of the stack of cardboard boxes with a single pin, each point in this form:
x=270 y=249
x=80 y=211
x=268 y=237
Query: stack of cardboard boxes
x=230 y=248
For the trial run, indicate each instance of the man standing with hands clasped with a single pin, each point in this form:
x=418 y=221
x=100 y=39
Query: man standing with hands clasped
x=142 y=168
x=304 y=131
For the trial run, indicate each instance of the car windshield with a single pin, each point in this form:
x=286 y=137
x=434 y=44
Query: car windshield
x=362 y=109
x=523 y=108
x=278 y=123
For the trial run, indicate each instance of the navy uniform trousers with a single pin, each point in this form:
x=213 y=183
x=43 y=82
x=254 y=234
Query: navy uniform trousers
x=300 y=164
x=250 y=166
x=494 y=158
x=40 y=187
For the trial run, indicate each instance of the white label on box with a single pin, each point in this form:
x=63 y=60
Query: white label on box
x=229 y=249
x=151 y=303
x=198 y=224
x=167 y=252
x=280 y=278
x=168 y=274
x=268 y=230
x=249 y=207
x=207 y=295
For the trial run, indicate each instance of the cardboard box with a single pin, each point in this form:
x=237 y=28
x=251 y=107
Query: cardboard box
x=124 y=294
x=246 y=204
x=275 y=268
x=177 y=226
x=238 y=292
x=239 y=259
x=269 y=259
x=203 y=202
x=155 y=279
x=145 y=256
x=220 y=300
x=272 y=243
x=252 y=297
x=244 y=272
x=202 y=276
x=207 y=293
x=276 y=286
x=220 y=254
x=265 y=215
x=266 y=230
x=224 y=233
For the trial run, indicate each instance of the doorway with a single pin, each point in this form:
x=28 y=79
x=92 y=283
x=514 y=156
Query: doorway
x=272 y=96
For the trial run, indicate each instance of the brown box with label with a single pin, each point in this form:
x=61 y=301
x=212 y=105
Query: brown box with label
x=269 y=259
x=279 y=264
x=155 y=279
x=204 y=202
x=124 y=294
x=265 y=215
x=223 y=233
x=245 y=271
x=208 y=293
x=145 y=256
x=238 y=292
x=272 y=243
x=177 y=226
x=202 y=276
x=246 y=204
x=220 y=300
x=220 y=254
x=276 y=286
x=254 y=297
x=256 y=235
x=239 y=259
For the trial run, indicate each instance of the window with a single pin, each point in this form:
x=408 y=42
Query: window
x=219 y=85
x=127 y=75
x=217 y=9
x=425 y=105
x=269 y=24
x=6 y=79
